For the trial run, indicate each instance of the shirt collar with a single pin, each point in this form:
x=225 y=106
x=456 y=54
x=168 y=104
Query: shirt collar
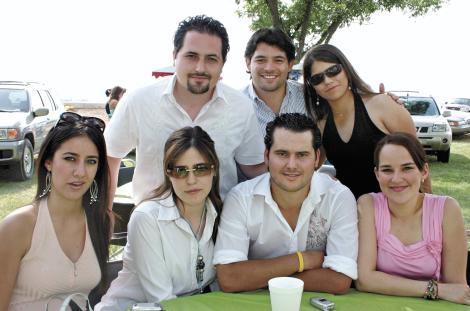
x=170 y=211
x=317 y=187
x=218 y=93
x=252 y=93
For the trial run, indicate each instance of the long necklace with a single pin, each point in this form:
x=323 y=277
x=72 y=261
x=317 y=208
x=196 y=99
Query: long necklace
x=200 y=259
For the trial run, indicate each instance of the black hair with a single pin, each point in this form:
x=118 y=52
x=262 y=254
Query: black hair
x=98 y=219
x=272 y=36
x=295 y=122
x=407 y=141
x=201 y=24
x=116 y=92
x=330 y=54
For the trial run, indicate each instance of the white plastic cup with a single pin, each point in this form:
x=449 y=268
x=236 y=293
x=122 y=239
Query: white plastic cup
x=285 y=293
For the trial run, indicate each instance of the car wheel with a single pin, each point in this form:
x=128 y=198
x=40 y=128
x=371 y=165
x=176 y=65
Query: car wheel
x=443 y=156
x=25 y=168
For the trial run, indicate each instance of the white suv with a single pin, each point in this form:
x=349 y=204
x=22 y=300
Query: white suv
x=432 y=128
x=28 y=110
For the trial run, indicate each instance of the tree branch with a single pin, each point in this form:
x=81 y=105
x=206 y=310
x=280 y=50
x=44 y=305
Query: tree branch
x=304 y=29
x=328 y=33
x=274 y=10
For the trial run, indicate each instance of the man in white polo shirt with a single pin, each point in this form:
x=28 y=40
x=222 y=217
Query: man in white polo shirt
x=193 y=96
x=291 y=221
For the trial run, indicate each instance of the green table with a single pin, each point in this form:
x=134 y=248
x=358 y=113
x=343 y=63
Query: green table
x=259 y=301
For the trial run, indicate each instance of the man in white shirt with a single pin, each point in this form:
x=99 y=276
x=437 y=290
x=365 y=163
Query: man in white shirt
x=291 y=221
x=269 y=56
x=145 y=118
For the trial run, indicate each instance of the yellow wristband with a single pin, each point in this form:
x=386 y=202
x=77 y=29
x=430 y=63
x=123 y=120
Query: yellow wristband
x=301 y=262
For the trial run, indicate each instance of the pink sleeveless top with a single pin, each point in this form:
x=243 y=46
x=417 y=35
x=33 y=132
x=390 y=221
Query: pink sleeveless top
x=419 y=261
x=46 y=271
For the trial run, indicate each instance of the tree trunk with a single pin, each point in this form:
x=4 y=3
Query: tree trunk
x=274 y=10
x=304 y=29
x=328 y=33
x=332 y=29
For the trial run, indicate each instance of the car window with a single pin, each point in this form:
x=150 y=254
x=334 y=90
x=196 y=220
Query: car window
x=54 y=104
x=46 y=99
x=13 y=100
x=36 y=100
x=421 y=106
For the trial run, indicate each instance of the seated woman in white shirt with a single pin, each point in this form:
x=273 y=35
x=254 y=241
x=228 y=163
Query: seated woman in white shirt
x=171 y=236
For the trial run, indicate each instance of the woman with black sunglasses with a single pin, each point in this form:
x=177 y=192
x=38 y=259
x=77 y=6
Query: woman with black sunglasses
x=351 y=117
x=171 y=236
x=58 y=245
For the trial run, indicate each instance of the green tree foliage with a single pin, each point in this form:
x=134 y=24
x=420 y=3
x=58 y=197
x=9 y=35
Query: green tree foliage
x=310 y=22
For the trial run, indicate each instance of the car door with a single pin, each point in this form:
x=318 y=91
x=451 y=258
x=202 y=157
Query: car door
x=39 y=125
x=52 y=117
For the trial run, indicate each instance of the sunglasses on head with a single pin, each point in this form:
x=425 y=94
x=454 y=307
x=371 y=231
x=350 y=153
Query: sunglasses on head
x=330 y=72
x=200 y=169
x=73 y=118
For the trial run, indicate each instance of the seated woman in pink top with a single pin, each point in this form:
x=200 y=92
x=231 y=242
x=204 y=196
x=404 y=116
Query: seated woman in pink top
x=58 y=245
x=410 y=243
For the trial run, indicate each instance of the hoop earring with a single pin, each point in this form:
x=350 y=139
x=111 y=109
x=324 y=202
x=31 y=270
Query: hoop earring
x=48 y=184
x=93 y=192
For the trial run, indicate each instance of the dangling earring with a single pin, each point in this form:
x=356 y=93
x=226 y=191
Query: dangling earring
x=318 y=101
x=93 y=192
x=48 y=184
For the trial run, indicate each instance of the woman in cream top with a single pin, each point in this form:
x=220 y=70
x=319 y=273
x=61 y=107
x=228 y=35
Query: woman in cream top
x=59 y=245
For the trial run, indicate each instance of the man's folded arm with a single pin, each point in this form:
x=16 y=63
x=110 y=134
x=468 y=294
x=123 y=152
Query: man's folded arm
x=253 y=274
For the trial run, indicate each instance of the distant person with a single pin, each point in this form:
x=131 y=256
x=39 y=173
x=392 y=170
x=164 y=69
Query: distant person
x=115 y=94
x=171 y=236
x=351 y=117
x=410 y=243
x=193 y=96
x=292 y=221
x=59 y=245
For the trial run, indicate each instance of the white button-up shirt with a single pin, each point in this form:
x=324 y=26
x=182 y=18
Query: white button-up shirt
x=145 y=118
x=160 y=256
x=253 y=227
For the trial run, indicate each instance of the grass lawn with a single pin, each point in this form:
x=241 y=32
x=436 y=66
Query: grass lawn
x=15 y=194
x=451 y=179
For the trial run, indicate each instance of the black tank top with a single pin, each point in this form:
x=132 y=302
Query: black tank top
x=354 y=160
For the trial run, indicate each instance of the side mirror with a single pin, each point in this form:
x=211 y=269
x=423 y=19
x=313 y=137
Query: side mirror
x=446 y=113
x=39 y=112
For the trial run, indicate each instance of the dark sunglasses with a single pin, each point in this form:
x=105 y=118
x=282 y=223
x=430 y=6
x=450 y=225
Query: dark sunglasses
x=200 y=169
x=330 y=72
x=72 y=118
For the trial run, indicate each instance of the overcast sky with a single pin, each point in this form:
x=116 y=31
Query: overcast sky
x=83 y=47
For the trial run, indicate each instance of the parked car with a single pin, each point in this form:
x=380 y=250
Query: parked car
x=432 y=128
x=459 y=122
x=28 y=110
x=459 y=104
